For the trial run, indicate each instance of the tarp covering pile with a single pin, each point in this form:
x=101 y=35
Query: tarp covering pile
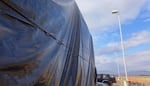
x=44 y=43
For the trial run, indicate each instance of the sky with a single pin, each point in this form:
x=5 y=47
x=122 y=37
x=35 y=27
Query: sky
x=103 y=25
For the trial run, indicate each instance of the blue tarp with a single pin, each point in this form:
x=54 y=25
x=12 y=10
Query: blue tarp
x=44 y=43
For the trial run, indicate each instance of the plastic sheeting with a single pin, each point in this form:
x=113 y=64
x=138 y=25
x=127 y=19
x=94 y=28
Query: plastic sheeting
x=44 y=43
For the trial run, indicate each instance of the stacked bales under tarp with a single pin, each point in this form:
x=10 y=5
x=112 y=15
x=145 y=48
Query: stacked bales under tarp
x=44 y=43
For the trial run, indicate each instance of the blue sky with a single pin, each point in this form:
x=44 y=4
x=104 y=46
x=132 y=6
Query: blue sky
x=135 y=20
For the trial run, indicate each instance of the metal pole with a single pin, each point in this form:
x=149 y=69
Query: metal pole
x=122 y=46
x=118 y=71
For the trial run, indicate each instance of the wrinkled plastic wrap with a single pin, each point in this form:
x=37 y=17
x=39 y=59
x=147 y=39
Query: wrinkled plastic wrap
x=44 y=43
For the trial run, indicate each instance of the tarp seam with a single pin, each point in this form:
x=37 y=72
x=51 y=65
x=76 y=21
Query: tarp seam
x=33 y=24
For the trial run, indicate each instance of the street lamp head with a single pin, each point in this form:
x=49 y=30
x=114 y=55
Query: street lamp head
x=115 y=11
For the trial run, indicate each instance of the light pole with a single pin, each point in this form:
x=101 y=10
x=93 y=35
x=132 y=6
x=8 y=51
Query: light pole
x=118 y=70
x=122 y=45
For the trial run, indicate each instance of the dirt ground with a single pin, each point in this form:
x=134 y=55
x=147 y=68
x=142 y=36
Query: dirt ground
x=134 y=81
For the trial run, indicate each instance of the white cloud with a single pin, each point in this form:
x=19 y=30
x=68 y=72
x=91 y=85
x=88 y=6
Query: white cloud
x=98 y=16
x=105 y=64
x=147 y=20
x=138 y=39
x=102 y=60
x=145 y=16
x=148 y=5
x=138 y=61
x=135 y=40
x=135 y=61
x=97 y=13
